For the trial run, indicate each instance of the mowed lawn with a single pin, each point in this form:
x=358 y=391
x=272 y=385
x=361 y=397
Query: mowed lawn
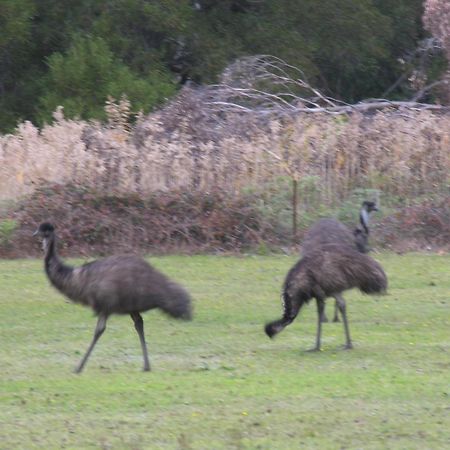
x=218 y=382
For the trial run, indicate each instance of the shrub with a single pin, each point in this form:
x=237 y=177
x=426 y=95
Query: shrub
x=7 y=228
x=404 y=155
x=91 y=223
x=82 y=79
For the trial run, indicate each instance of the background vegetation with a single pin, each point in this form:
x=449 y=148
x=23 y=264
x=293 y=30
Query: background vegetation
x=194 y=163
x=177 y=181
x=219 y=382
x=75 y=54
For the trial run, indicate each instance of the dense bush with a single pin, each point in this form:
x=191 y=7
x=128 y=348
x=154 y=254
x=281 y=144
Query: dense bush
x=91 y=223
x=403 y=154
x=184 y=178
x=84 y=77
x=421 y=226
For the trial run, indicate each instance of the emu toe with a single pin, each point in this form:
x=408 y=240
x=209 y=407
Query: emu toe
x=314 y=349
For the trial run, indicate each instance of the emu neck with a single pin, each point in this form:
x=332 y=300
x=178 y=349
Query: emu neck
x=364 y=220
x=57 y=272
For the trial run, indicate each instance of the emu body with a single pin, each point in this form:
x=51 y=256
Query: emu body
x=327 y=232
x=123 y=284
x=327 y=271
x=331 y=231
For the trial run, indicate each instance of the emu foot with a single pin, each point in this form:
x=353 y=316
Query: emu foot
x=147 y=369
x=348 y=346
x=336 y=319
x=315 y=349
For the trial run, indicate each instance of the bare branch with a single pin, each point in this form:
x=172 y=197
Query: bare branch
x=265 y=84
x=428 y=88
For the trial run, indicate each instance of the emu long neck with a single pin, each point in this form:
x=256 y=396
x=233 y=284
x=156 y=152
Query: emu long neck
x=58 y=273
x=364 y=219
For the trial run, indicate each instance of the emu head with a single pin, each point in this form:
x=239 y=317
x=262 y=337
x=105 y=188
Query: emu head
x=369 y=206
x=45 y=231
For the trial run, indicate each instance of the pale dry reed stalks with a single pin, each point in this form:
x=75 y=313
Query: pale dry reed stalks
x=402 y=153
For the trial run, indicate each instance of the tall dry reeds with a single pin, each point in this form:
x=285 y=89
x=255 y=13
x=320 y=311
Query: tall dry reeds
x=404 y=154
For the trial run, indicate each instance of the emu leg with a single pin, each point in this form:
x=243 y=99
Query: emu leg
x=139 y=325
x=324 y=317
x=99 y=329
x=320 y=309
x=336 y=315
x=342 y=308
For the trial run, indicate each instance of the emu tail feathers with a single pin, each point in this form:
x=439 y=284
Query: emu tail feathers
x=375 y=280
x=273 y=328
x=177 y=302
x=289 y=314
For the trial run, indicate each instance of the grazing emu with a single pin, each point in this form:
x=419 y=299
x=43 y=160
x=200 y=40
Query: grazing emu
x=325 y=272
x=331 y=231
x=114 y=285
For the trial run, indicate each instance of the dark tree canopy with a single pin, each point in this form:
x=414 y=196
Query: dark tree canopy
x=78 y=52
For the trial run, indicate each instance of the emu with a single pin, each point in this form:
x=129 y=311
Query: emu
x=327 y=271
x=331 y=231
x=123 y=284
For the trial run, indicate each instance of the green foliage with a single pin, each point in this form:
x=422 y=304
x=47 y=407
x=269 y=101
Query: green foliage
x=14 y=25
x=15 y=55
x=348 y=48
x=218 y=382
x=344 y=40
x=349 y=210
x=82 y=79
x=143 y=34
x=7 y=228
x=274 y=204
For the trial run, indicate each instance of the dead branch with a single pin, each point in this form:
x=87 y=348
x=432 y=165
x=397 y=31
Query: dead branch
x=265 y=84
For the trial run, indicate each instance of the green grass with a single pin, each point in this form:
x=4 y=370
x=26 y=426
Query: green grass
x=218 y=382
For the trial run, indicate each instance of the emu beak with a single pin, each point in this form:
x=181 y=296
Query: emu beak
x=36 y=232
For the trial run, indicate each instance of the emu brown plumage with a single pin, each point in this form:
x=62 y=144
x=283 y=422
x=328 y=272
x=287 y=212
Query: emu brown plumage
x=324 y=272
x=331 y=231
x=123 y=284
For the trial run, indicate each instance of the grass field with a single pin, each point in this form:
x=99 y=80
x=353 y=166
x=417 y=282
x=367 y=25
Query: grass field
x=218 y=382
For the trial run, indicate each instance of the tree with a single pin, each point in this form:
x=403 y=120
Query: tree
x=349 y=49
x=15 y=44
x=437 y=20
x=82 y=79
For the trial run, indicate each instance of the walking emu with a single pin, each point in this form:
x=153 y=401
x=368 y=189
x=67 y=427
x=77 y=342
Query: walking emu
x=114 y=285
x=331 y=231
x=325 y=272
